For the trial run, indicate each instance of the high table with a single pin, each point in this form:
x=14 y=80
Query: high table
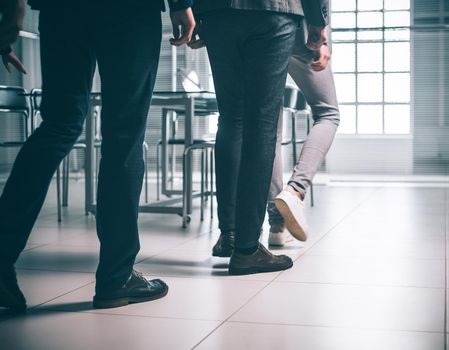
x=189 y=104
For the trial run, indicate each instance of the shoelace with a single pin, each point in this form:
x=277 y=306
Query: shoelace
x=140 y=276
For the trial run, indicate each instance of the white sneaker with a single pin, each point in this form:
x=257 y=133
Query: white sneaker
x=293 y=211
x=279 y=236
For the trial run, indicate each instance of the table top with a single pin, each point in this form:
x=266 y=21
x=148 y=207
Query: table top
x=205 y=101
x=168 y=94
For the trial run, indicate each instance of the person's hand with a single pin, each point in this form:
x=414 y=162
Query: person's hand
x=197 y=41
x=183 y=26
x=11 y=59
x=12 y=13
x=316 y=38
x=322 y=60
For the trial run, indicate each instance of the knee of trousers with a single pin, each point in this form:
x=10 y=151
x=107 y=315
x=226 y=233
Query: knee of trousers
x=332 y=118
x=67 y=133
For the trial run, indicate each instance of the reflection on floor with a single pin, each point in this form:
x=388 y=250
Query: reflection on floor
x=371 y=276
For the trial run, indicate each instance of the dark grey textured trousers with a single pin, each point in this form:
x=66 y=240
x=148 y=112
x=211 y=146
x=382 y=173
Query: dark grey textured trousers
x=249 y=53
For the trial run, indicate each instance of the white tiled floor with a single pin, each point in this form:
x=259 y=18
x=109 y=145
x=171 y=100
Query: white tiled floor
x=372 y=276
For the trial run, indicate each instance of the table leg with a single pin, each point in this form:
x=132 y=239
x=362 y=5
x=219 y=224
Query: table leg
x=90 y=159
x=164 y=150
x=188 y=141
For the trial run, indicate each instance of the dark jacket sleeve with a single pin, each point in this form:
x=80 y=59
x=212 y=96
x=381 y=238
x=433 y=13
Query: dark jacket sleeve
x=316 y=12
x=176 y=5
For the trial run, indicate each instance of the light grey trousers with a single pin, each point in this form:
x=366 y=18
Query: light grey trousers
x=319 y=90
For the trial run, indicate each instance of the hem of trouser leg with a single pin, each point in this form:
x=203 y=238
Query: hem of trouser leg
x=297 y=187
x=107 y=287
x=278 y=221
x=247 y=245
x=226 y=229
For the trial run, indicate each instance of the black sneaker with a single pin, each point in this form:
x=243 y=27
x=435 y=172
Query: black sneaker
x=225 y=245
x=261 y=261
x=11 y=297
x=138 y=289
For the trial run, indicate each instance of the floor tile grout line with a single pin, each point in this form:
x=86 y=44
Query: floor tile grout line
x=269 y=283
x=337 y=224
x=36 y=307
x=273 y=279
x=50 y=270
x=445 y=269
x=363 y=285
x=41 y=245
x=106 y=314
x=57 y=271
x=64 y=294
x=230 y=316
x=387 y=257
x=177 y=245
x=137 y=262
x=334 y=327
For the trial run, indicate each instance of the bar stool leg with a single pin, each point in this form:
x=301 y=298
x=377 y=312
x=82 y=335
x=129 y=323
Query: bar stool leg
x=145 y=152
x=202 y=186
x=85 y=177
x=158 y=185
x=311 y=195
x=212 y=183
x=58 y=193
x=206 y=170
x=172 y=155
x=294 y=151
x=185 y=217
x=65 y=180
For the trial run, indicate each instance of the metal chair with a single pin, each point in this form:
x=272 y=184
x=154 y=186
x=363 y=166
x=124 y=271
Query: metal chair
x=296 y=105
x=13 y=100
x=207 y=159
x=204 y=144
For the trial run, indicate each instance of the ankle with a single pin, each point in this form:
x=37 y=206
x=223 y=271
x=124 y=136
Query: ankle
x=247 y=251
x=277 y=228
x=297 y=193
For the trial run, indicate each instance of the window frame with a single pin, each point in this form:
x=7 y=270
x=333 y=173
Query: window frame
x=356 y=41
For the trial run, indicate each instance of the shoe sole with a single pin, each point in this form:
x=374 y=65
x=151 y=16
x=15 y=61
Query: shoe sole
x=112 y=303
x=289 y=220
x=222 y=255
x=9 y=301
x=275 y=243
x=278 y=242
x=253 y=270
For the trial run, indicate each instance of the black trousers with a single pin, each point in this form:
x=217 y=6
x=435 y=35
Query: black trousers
x=249 y=53
x=124 y=39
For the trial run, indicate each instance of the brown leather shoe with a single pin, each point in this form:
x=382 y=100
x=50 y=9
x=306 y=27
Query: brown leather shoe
x=261 y=261
x=138 y=289
x=225 y=245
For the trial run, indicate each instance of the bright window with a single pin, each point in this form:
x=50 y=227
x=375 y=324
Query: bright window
x=371 y=63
